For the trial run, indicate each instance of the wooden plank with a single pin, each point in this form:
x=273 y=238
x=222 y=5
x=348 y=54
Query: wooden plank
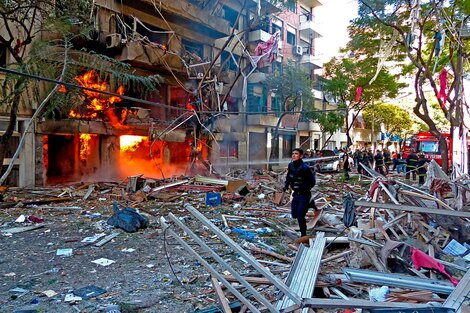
x=16 y=230
x=251 y=280
x=427 y=197
x=91 y=188
x=409 y=208
x=220 y=294
x=431 y=253
x=267 y=252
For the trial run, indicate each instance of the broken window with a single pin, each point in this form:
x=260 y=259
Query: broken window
x=292 y=6
x=193 y=47
x=151 y=32
x=231 y=16
x=230 y=64
x=229 y=149
x=3 y=55
x=291 y=38
x=288 y=142
x=256 y=98
x=278 y=25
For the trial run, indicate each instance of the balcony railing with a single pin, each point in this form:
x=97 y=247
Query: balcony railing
x=311 y=3
x=311 y=61
x=309 y=29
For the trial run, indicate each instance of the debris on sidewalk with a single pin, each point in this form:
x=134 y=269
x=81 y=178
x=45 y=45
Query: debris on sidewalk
x=233 y=240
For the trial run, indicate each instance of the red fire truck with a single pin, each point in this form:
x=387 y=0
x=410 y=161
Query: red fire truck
x=427 y=143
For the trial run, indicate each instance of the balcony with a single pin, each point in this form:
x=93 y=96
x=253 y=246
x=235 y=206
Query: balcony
x=309 y=126
x=309 y=29
x=317 y=94
x=149 y=55
x=219 y=43
x=262 y=120
x=257 y=77
x=311 y=62
x=311 y=3
x=261 y=35
x=258 y=35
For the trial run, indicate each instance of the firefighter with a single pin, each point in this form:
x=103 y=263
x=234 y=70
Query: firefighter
x=411 y=163
x=346 y=164
x=387 y=159
x=360 y=159
x=379 y=162
x=422 y=168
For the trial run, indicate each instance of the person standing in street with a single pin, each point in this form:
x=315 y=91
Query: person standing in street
x=379 y=162
x=411 y=162
x=301 y=180
x=387 y=159
x=346 y=165
x=422 y=168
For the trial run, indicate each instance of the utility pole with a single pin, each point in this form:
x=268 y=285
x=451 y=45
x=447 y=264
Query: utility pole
x=460 y=133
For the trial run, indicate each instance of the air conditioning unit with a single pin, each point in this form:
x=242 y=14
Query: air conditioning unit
x=298 y=50
x=113 y=41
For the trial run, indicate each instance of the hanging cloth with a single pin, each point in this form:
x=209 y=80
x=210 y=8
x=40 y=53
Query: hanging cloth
x=440 y=39
x=443 y=88
x=358 y=93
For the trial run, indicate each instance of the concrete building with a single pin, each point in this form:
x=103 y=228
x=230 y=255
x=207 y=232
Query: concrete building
x=197 y=49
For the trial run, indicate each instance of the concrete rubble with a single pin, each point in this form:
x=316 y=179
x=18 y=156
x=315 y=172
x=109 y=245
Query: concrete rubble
x=228 y=244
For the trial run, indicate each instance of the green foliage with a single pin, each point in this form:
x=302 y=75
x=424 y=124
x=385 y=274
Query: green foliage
x=293 y=86
x=63 y=21
x=329 y=122
x=396 y=120
x=438 y=116
x=343 y=76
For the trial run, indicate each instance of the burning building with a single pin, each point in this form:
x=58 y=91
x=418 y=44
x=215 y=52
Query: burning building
x=190 y=120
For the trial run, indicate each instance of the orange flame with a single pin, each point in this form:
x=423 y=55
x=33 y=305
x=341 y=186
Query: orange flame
x=85 y=150
x=96 y=102
x=189 y=106
x=130 y=143
x=62 y=89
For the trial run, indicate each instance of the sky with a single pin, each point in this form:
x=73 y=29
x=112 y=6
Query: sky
x=333 y=18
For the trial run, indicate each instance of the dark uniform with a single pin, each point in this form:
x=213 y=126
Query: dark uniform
x=346 y=168
x=379 y=163
x=301 y=179
x=411 y=163
x=387 y=159
x=360 y=159
x=422 y=170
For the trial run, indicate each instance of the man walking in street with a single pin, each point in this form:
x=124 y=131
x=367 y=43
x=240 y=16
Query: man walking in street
x=300 y=179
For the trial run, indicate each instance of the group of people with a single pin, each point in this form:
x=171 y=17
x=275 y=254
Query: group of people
x=414 y=164
x=301 y=177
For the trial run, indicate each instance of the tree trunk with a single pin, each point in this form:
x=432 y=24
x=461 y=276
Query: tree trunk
x=6 y=137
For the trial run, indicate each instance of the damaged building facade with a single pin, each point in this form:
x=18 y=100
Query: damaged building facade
x=195 y=119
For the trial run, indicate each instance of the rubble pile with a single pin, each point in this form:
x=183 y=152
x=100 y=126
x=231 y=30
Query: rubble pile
x=229 y=244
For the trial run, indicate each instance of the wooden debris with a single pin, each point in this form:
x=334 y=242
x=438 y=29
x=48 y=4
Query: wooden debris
x=254 y=248
x=106 y=239
x=220 y=295
x=17 y=230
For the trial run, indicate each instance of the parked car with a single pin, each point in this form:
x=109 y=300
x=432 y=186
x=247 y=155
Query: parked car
x=330 y=165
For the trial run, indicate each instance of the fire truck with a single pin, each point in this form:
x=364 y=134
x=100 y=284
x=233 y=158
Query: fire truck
x=428 y=144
